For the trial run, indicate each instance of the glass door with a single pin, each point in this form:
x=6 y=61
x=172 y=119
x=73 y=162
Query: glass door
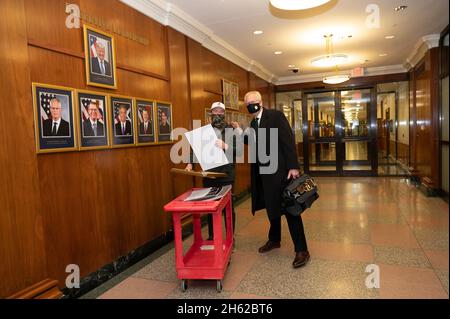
x=337 y=133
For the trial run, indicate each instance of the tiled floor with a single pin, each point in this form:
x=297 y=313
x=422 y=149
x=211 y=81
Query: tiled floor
x=355 y=223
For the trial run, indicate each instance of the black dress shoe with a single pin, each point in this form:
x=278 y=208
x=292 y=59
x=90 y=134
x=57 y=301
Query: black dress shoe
x=269 y=246
x=301 y=259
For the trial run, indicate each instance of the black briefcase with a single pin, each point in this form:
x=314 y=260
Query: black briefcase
x=299 y=195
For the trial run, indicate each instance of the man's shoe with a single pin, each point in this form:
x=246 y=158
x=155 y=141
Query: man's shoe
x=301 y=259
x=269 y=246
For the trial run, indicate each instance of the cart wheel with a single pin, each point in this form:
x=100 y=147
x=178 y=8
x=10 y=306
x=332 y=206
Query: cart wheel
x=219 y=286
x=184 y=285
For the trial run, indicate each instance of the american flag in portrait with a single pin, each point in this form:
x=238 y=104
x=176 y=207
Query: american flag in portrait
x=45 y=99
x=92 y=44
x=85 y=105
x=117 y=105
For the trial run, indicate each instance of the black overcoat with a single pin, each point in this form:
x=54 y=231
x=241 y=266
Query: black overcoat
x=267 y=188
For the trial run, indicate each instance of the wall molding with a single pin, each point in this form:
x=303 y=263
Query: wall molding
x=424 y=44
x=318 y=77
x=170 y=15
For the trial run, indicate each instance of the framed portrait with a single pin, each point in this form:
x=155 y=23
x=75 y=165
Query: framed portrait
x=54 y=118
x=145 y=122
x=100 y=58
x=207 y=116
x=92 y=120
x=164 y=122
x=122 y=121
x=230 y=92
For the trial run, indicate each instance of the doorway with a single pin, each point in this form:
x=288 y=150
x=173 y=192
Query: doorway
x=339 y=133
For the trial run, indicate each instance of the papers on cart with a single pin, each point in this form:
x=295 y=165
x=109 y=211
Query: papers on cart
x=208 y=194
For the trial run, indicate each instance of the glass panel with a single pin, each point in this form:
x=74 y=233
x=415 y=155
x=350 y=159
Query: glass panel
x=322 y=156
x=326 y=118
x=356 y=151
x=355 y=115
x=311 y=118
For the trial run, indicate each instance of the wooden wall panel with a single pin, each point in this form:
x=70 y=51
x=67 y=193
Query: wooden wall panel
x=22 y=252
x=426 y=119
x=46 y=26
x=89 y=208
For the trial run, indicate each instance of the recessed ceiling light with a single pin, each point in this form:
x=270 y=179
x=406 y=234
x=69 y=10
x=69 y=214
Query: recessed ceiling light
x=291 y=66
x=278 y=52
x=297 y=5
x=400 y=8
x=383 y=54
x=258 y=32
x=389 y=37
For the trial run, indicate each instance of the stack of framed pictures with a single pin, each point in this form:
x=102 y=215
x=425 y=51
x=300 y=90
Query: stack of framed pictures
x=68 y=120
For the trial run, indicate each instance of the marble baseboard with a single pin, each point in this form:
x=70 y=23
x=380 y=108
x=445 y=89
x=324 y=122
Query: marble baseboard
x=113 y=269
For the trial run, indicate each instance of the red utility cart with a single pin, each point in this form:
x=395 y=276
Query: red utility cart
x=205 y=259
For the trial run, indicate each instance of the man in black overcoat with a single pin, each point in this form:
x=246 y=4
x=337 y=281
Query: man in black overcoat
x=269 y=178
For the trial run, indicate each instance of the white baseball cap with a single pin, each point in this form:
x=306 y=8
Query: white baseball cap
x=218 y=104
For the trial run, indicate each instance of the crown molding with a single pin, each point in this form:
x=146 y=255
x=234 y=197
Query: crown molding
x=170 y=15
x=317 y=77
x=424 y=44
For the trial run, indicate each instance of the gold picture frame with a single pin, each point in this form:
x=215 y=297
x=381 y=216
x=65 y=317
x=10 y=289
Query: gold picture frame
x=60 y=137
x=103 y=142
x=100 y=71
x=230 y=91
x=121 y=138
x=145 y=138
x=164 y=133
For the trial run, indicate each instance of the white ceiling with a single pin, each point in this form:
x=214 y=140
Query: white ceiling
x=300 y=34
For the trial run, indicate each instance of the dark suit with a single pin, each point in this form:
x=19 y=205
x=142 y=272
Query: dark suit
x=267 y=188
x=96 y=67
x=149 y=129
x=63 y=129
x=88 y=131
x=118 y=128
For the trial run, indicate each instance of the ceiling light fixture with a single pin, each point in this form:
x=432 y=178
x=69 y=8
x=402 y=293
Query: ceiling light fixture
x=258 y=32
x=400 y=8
x=336 y=79
x=329 y=59
x=297 y=4
x=389 y=37
x=383 y=54
x=278 y=52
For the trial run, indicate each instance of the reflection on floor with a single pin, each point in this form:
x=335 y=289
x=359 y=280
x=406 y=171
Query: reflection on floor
x=387 y=166
x=355 y=223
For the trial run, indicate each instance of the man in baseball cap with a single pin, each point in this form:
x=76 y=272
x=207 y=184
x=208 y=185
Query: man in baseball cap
x=219 y=124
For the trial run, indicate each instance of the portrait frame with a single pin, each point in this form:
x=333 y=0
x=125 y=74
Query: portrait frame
x=230 y=91
x=164 y=137
x=45 y=142
x=93 y=75
x=86 y=141
x=117 y=139
x=145 y=139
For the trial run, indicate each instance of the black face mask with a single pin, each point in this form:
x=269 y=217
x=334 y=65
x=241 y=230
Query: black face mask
x=218 y=121
x=254 y=108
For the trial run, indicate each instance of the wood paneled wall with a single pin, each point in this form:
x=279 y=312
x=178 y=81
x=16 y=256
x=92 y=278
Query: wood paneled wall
x=22 y=254
x=89 y=208
x=425 y=119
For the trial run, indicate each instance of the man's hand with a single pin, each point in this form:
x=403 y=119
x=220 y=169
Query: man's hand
x=222 y=145
x=294 y=174
x=235 y=125
x=188 y=167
